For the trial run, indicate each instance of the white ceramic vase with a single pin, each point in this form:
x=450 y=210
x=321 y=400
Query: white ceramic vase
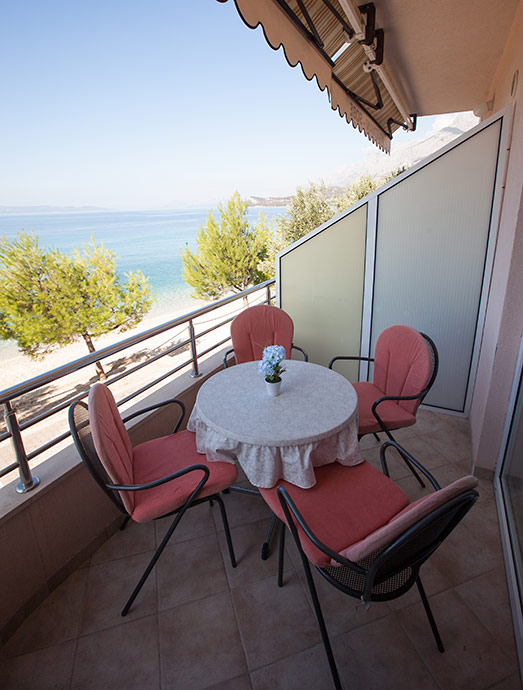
x=273 y=389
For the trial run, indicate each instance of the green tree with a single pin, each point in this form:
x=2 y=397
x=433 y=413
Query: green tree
x=309 y=208
x=49 y=299
x=356 y=191
x=229 y=253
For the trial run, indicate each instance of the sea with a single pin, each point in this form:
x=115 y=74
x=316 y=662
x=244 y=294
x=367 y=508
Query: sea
x=151 y=241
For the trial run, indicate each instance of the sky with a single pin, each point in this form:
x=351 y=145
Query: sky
x=155 y=104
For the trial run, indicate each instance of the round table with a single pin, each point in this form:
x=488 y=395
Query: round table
x=311 y=423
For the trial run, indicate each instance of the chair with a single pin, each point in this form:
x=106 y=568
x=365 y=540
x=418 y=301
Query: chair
x=363 y=535
x=405 y=367
x=155 y=479
x=255 y=328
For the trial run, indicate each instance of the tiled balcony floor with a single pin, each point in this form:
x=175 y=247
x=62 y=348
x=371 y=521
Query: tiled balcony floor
x=199 y=624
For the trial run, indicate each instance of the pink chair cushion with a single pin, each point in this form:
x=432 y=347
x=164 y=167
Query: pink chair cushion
x=402 y=364
x=406 y=518
x=162 y=456
x=111 y=440
x=394 y=416
x=344 y=506
x=257 y=327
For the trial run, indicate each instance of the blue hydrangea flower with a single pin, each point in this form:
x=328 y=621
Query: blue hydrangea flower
x=270 y=364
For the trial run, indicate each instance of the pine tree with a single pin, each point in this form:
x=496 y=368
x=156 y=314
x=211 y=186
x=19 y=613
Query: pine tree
x=229 y=254
x=49 y=299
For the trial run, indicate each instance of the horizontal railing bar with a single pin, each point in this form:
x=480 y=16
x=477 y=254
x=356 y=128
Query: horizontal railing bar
x=69 y=368
x=53 y=442
x=214 y=347
x=153 y=383
x=10 y=468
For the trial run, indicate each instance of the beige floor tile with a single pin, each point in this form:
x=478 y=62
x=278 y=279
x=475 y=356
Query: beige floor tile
x=380 y=656
x=473 y=658
x=487 y=596
x=190 y=570
x=45 y=669
x=238 y=683
x=247 y=541
x=125 y=656
x=109 y=586
x=242 y=509
x=197 y=522
x=512 y=683
x=135 y=538
x=200 y=645
x=307 y=670
x=56 y=620
x=274 y=622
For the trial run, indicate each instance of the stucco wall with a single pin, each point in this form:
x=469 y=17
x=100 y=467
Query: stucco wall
x=504 y=320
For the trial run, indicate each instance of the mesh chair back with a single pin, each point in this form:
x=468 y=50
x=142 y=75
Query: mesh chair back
x=83 y=440
x=257 y=327
x=404 y=364
x=417 y=544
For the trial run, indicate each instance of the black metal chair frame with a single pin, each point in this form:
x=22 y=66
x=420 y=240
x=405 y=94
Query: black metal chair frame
x=421 y=395
x=396 y=566
x=80 y=430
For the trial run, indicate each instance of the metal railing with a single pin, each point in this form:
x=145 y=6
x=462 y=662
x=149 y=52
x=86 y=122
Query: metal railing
x=15 y=427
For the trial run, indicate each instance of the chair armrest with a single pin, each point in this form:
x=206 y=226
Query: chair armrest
x=305 y=355
x=229 y=352
x=156 y=406
x=406 y=455
x=163 y=480
x=359 y=359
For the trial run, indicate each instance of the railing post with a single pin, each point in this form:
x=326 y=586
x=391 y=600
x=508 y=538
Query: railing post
x=27 y=481
x=195 y=372
x=268 y=288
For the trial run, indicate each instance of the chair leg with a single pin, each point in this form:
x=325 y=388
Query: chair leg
x=409 y=464
x=152 y=563
x=428 y=611
x=321 y=623
x=281 y=554
x=267 y=542
x=226 y=528
x=124 y=522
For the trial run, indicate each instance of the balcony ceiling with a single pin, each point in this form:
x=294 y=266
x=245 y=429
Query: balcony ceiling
x=438 y=55
x=443 y=54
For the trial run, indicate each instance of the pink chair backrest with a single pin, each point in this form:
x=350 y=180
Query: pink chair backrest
x=111 y=440
x=257 y=327
x=403 y=364
x=406 y=518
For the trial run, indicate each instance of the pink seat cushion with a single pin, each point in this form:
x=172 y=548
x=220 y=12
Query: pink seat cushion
x=111 y=440
x=406 y=518
x=394 y=416
x=162 y=456
x=402 y=364
x=259 y=326
x=345 y=505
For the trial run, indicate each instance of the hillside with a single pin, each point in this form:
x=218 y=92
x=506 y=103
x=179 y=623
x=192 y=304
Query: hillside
x=377 y=164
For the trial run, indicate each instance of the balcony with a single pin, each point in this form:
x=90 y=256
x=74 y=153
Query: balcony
x=200 y=624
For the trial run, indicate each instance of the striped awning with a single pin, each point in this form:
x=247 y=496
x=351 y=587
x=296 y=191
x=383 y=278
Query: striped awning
x=350 y=64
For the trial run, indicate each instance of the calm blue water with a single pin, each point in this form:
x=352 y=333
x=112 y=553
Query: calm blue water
x=146 y=240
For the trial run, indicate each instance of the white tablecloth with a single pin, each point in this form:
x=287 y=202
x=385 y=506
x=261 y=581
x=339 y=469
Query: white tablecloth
x=311 y=423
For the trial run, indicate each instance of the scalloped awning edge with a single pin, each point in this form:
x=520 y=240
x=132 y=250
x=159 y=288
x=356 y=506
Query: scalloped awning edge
x=281 y=32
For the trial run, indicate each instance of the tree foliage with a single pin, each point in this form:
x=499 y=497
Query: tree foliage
x=230 y=252
x=49 y=299
x=356 y=191
x=309 y=208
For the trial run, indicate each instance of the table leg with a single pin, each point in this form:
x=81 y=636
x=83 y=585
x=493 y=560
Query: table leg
x=267 y=542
